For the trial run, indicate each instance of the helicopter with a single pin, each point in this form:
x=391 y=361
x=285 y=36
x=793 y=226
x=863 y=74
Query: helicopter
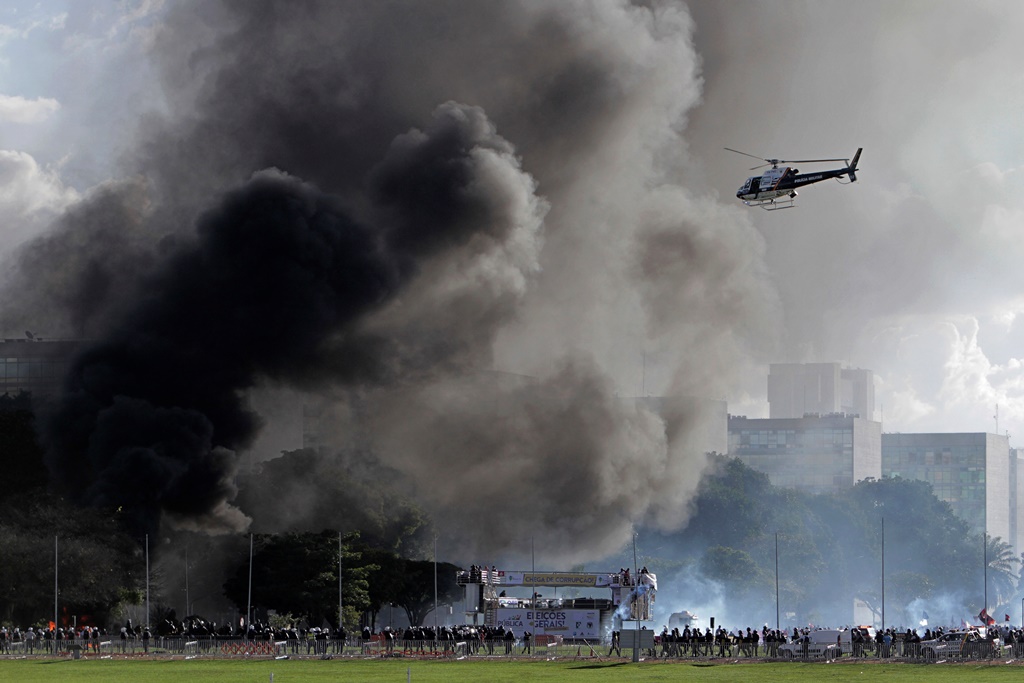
x=776 y=188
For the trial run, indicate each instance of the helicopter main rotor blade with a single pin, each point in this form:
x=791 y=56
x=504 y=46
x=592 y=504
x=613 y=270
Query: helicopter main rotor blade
x=808 y=161
x=752 y=156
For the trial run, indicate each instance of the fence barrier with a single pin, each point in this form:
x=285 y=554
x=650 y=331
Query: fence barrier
x=379 y=646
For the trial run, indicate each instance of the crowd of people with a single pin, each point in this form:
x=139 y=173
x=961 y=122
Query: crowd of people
x=483 y=640
x=49 y=640
x=863 y=642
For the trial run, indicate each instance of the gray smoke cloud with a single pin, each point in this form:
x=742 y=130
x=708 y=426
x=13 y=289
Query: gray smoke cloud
x=274 y=285
x=460 y=189
x=911 y=271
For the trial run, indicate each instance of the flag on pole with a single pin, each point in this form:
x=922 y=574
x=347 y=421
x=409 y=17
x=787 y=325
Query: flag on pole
x=984 y=618
x=1007 y=617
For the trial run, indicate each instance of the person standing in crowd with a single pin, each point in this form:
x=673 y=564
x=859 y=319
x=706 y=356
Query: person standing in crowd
x=510 y=641
x=615 y=645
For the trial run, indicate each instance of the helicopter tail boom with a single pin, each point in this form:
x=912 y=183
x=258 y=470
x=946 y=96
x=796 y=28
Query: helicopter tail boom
x=852 y=168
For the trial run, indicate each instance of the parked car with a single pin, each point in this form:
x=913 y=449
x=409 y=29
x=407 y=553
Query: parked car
x=958 y=644
x=822 y=643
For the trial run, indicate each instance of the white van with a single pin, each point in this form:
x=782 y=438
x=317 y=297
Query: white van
x=823 y=643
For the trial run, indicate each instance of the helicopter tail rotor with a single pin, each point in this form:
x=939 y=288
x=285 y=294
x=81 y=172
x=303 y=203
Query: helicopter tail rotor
x=852 y=171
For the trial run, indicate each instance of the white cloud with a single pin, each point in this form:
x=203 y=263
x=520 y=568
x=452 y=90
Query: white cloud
x=938 y=373
x=30 y=197
x=17 y=109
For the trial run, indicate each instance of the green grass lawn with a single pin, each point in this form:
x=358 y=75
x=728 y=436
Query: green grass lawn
x=480 y=671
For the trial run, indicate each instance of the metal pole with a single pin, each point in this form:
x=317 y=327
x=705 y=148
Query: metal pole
x=186 y=580
x=248 y=608
x=985 y=540
x=883 y=573
x=55 y=612
x=636 y=642
x=533 y=577
x=776 y=580
x=435 y=583
x=340 y=566
x=146 y=625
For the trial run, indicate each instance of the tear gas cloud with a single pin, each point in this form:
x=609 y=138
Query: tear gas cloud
x=395 y=203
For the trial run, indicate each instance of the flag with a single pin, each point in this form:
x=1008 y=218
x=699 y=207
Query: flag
x=924 y=615
x=984 y=618
x=1007 y=617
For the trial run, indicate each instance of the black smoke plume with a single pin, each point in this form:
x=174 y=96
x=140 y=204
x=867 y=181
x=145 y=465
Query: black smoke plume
x=274 y=285
x=474 y=306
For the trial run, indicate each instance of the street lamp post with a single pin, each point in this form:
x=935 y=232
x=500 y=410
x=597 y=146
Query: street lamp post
x=883 y=573
x=435 y=583
x=248 y=607
x=776 y=580
x=634 y=603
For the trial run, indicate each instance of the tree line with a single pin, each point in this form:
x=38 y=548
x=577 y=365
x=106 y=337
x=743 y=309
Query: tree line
x=829 y=546
x=830 y=550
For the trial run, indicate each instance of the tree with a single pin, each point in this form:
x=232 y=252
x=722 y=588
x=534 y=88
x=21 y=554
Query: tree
x=416 y=595
x=297 y=573
x=1002 y=569
x=830 y=546
x=922 y=536
x=99 y=566
x=306 y=490
x=730 y=504
x=385 y=582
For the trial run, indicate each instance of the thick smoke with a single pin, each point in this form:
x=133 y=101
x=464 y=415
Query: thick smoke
x=537 y=229
x=912 y=271
x=274 y=285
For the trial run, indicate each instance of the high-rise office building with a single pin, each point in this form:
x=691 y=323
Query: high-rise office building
x=34 y=366
x=816 y=454
x=798 y=389
x=974 y=472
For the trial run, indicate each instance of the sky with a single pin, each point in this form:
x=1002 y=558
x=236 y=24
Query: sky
x=632 y=269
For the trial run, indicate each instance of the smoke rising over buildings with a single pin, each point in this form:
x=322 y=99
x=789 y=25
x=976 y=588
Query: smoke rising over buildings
x=382 y=201
x=274 y=285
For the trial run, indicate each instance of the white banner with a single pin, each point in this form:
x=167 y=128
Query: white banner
x=557 y=579
x=568 y=623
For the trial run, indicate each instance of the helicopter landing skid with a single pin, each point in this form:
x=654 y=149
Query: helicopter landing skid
x=773 y=204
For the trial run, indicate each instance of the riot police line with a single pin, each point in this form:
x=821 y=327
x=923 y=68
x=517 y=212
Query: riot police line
x=480 y=641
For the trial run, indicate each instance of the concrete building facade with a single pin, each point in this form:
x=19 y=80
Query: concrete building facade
x=798 y=389
x=975 y=473
x=816 y=454
x=37 y=367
